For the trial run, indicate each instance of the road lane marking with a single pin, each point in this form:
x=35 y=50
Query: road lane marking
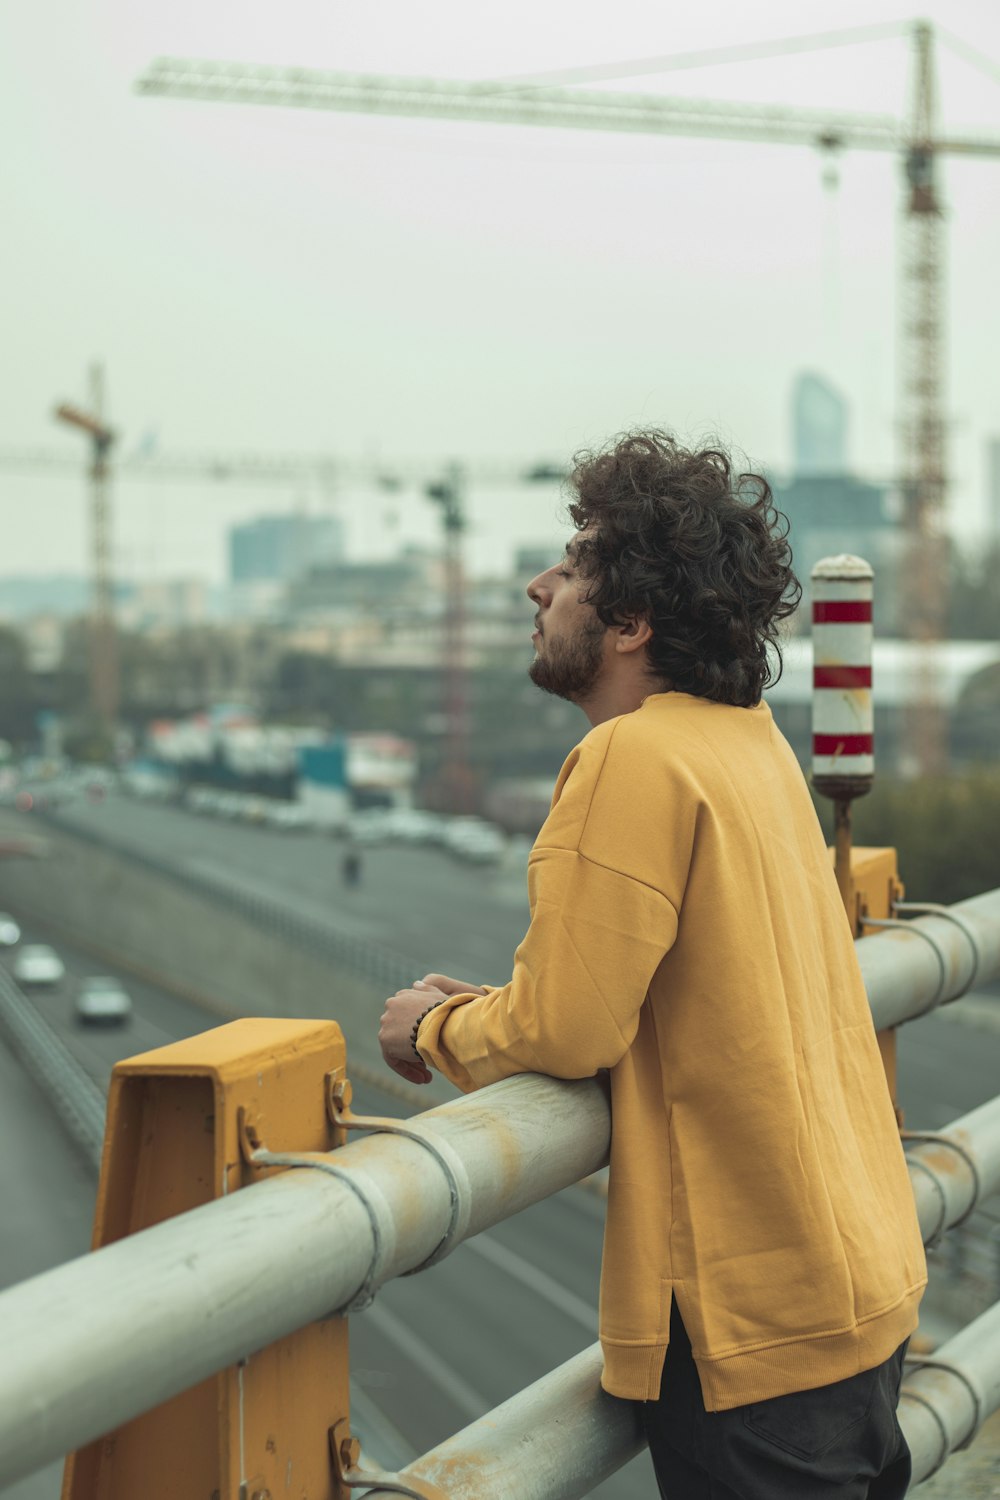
x=540 y=1282
x=454 y=1386
x=381 y=1439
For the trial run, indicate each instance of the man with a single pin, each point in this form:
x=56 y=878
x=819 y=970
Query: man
x=762 y=1260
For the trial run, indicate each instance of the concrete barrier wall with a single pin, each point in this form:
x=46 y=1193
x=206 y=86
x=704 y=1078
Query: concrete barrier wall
x=236 y=957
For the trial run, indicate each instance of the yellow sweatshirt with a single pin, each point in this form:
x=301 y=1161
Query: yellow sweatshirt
x=687 y=934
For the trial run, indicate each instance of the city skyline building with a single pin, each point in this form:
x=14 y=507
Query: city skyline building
x=279 y=549
x=820 y=416
x=829 y=510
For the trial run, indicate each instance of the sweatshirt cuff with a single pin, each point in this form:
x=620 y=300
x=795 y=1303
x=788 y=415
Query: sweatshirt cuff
x=430 y=1044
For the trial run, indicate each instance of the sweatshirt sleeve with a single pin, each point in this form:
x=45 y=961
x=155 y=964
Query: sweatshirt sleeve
x=582 y=972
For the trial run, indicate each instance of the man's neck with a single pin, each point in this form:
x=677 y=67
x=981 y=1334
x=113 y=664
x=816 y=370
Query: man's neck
x=609 y=700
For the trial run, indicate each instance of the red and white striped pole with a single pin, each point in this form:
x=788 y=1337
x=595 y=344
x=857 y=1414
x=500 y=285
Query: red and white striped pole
x=843 y=760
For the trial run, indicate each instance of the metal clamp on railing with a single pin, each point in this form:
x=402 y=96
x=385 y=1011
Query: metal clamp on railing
x=935 y=1138
x=345 y=1452
x=934 y=909
x=256 y=1154
x=938 y=954
x=338 y=1100
x=930 y=1362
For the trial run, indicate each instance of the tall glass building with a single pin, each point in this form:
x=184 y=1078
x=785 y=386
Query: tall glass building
x=278 y=549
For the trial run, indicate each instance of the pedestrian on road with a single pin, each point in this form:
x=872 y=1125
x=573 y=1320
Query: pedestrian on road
x=350 y=869
x=762 y=1259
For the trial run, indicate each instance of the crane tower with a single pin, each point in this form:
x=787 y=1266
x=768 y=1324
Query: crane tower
x=104 y=687
x=456 y=788
x=919 y=142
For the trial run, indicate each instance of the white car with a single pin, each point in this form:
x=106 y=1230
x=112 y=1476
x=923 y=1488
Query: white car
x=412 y=825
x=373 y=825
x=474 y=839
x=37 y=964
x=10 y=933
x=291 y=817
x=102 y=1001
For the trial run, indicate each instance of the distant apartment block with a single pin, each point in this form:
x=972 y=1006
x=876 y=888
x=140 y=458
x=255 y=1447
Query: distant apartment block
x=278 y=549
x=532 y=560
x=165 y=604
x=834 y=513
x=412 y=579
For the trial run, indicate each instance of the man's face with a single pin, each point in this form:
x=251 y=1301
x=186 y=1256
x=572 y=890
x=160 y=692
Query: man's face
x=569 y=638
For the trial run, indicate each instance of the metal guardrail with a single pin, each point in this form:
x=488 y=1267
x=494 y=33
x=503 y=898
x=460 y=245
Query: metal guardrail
x=908 y=972
x=111 y=1350
x=568 y=1435
x=74 y=1095
x=390 y=1205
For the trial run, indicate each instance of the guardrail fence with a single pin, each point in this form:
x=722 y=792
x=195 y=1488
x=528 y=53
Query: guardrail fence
x=235 y=1231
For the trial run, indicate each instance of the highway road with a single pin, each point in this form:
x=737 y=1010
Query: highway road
x=434 y=1351
x=447 y=915
x=465 y=920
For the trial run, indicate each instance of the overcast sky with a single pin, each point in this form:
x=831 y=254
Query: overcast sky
x=262 y=279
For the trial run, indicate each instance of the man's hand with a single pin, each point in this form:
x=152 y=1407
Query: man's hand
x=402 y=1010
x=395 y=1037
x=449 y=986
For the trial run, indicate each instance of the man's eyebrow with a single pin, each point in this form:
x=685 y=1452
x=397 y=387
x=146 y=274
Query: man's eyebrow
x=571 y=552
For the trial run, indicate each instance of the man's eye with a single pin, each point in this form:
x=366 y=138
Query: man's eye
x=563 y=573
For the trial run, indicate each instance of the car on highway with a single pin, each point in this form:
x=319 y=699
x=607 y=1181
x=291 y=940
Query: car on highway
x=199 y=798
x=230 y=804
x=411 y=825
x=253 y=810
x=102 y=1001
x=475 y=840
x=372 y=825
x=290 y=817
x=10 y=932
x=37 y=965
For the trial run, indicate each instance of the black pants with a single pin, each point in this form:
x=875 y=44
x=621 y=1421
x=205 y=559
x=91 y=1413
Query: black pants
x=840 y=1440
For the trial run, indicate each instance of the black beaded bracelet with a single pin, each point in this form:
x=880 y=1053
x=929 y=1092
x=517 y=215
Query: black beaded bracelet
x=416 y=1028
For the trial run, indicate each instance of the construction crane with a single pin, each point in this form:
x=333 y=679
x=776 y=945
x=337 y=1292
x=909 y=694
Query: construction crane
x=455 y=776
x=247 y=467
x=918 y=141
x=104 y=687
x=447 y=489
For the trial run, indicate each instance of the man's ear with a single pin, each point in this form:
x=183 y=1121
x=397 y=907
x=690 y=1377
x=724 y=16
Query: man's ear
x=633 y=635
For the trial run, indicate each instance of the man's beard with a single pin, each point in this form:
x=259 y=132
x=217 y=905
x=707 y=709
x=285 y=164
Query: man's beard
x=570 y=667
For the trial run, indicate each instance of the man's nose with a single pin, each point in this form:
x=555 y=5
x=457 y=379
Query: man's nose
x=538 y=592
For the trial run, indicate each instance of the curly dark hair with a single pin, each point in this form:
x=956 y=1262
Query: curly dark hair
x=682 y=538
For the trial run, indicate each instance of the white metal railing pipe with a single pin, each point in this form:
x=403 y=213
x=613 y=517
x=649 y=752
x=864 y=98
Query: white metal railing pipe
x=554 y=1440
x=948 y=1395
x=562 y=1436
x=931 y=959
x=953 y=1170
x=188 y=1293
x=91 y=1344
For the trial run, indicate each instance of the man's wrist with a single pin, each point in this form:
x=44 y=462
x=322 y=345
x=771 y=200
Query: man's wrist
x=416 y=1027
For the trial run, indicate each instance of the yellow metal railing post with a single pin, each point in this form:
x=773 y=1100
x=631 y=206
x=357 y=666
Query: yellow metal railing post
x=877 y=889
x=178 y=1119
